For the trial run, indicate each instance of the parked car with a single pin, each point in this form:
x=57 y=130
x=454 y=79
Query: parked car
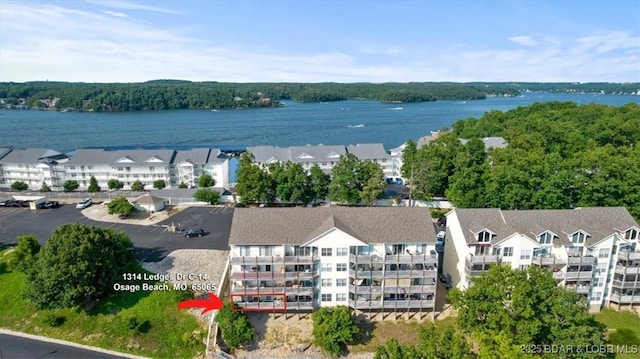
x=51 y=204
x=194 y=232
x=84 y=203
x=6 y=203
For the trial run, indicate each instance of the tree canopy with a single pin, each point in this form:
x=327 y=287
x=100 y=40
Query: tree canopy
x=77 y=266
x=121 y=206
x=559 y=155
x=506 y=308
x=333 y=328
x=354 y=181
x=234 y=326
x=206 y=180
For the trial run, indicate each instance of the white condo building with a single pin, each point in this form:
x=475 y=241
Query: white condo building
x=33 y=166
x=593 y=251
x=373 y=259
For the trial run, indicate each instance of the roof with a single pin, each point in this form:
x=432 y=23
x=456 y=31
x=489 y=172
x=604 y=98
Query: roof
x=30 y=155
x=318 y=153
x=4 y=151
x=368 y=151
x=264 y=154
x=598 y=222
x=490 y=142
x=122 y=157
x=195 y=156
x=147 y=199
x=298 y=225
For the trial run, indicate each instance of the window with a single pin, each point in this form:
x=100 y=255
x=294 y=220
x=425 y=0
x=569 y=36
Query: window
x=341 y=282
x=603 y=253
x=523 y=267
x=326 y=297
x=326 y=252
x=525 y=254
x=546 y=238
x=341 y=252
x=266 y=251
x=341 y=297
x=631 y=234
x=326 y=282
x=90 y=167
x=578 y=237
x=597 y=295
x=151 y=169
x=484 y=237
x=507 y=252
x=326 y=267
x=341 y=267
x=245 y=251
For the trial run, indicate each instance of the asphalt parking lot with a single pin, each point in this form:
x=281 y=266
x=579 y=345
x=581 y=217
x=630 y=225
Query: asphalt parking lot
x=152 y=243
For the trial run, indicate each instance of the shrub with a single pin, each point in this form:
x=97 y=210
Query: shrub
x=19 y=186
x=70 y=185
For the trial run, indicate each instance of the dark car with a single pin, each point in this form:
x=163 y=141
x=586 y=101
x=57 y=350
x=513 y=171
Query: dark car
x=194 y=232
x=51 y=204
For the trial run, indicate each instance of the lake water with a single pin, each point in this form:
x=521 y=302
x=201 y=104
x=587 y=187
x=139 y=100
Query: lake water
x=343 y=122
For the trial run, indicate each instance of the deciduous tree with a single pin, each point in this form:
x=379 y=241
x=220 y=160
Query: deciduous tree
x=206 y=180
x=137 y=186
x=115 y=184
x=333 y=328
x=159 y=184
x=19 y=186
x=207 y=195
x=121 y=206
x=70 y=185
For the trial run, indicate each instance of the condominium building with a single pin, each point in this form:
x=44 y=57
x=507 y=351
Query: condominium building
x=33 y=166
x=373 y=259
x=325 y=156
x=593 y=251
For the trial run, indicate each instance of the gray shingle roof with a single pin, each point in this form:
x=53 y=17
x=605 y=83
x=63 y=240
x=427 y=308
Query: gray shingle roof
x=368 y=151
x=264 y=154
x=195 y=156
x=276 y=226
x=490 y=142
x=138 y=156
x=4 y=151
x=29 y=156
x=319 y=153
x=599 y=222
x=147 y=199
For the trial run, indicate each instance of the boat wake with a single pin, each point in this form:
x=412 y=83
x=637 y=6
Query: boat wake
x=356 y=126
x=396 y=108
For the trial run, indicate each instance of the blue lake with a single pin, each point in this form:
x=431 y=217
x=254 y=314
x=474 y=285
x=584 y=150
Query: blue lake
x=343 y=122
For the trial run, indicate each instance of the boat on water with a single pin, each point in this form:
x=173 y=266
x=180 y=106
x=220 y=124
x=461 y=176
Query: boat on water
x=397 y=108
x=356 y=126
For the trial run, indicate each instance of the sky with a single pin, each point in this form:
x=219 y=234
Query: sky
x=320 y=41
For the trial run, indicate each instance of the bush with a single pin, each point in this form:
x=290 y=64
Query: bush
x=234 y=327
x=19 y=186
x=53 y=320
x=159 y=184
x=45 y=187
x=207 y=195
x=132 y=323
x=24 y=256
x=137 y=186
x=183 y=185
x=115 y=184
x=206 y=181
x=70 y=185
x=333 y=328
x=120 y=206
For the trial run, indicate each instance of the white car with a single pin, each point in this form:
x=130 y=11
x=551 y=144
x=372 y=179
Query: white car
x=84 y=203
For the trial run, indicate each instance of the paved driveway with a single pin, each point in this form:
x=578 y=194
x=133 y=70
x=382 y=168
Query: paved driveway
x=152 y=242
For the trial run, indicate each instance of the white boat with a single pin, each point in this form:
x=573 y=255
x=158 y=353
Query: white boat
x=356 y=126
x=397 y=108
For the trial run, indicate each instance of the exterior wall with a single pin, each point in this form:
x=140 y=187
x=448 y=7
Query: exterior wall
x=456 y=251
x=83 y=172
x=33 y=174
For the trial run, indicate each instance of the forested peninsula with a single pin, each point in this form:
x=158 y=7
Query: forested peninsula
x=176 y=94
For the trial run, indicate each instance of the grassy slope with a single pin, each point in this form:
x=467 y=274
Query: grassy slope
x=623 y=329
x=162 y=332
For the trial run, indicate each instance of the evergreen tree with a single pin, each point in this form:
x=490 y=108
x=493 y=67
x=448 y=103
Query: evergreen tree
x=93 y=185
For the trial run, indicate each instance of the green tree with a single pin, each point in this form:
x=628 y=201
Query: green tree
x=121 y=206
x=466 y=185
x=78 y=265
x=137 y=186
x=93 y=185
x=70 y=185
x=206 y=180
x=394 y=350
x=319 y=182
x=159 y=184
x=505 y=308
x=19 y=186
x=115 y=184
x=294 y=184
x=45 y=188
x=372 y=180
x=23 y=258
x=182 y=185
x=333 y=328
x=409 y=154
x=253 y=183
x=346 y=183
x=434 y=165
x=234 y=326
x=207 y=195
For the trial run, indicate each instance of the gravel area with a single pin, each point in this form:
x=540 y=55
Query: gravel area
x=192 y=266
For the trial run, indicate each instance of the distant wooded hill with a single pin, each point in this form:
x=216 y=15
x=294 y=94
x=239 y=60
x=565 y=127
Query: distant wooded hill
x=176 y=94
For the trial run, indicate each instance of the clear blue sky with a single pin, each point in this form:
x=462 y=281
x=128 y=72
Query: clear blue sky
x=316 y=41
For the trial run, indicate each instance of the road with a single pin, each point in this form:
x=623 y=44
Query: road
x=15 y=347
x=152 y=243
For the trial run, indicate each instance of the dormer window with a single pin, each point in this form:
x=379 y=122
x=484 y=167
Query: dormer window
x=578 y=237
x=631 y=234
x=546 y=238
x=484 y=236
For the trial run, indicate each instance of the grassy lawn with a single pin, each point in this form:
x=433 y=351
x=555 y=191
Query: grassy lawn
x=141 y=323
x=405 y=332
x=623 y=329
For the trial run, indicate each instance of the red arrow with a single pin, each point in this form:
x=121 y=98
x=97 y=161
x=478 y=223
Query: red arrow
x=212 y=303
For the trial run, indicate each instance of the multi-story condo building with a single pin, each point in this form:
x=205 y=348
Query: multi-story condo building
x=593 y=251
x=147 y=166
x=33 y=166
x=374 y=259
x=325 y=156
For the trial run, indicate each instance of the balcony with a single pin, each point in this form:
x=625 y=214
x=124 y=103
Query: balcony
x=366 y=258
x=472 y=260
x=365 y=289
x=581 y=275
x=624 y=299
x=366 y=274
x=625 y=284
x=410 y=289
x=548 y=261
x=558 y=275
x=411 y=258
x=584 y=260
x=257 y=275
x=628 y=256
x=620 y=269
x=415 y=304
x=262 y=306
x=580 y=289
x=299 y=275
x=415 y=273
x=293 y=290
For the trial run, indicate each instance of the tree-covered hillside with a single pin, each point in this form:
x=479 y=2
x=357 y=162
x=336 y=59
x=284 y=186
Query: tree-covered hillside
x=559 y=155
x=171 y=94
